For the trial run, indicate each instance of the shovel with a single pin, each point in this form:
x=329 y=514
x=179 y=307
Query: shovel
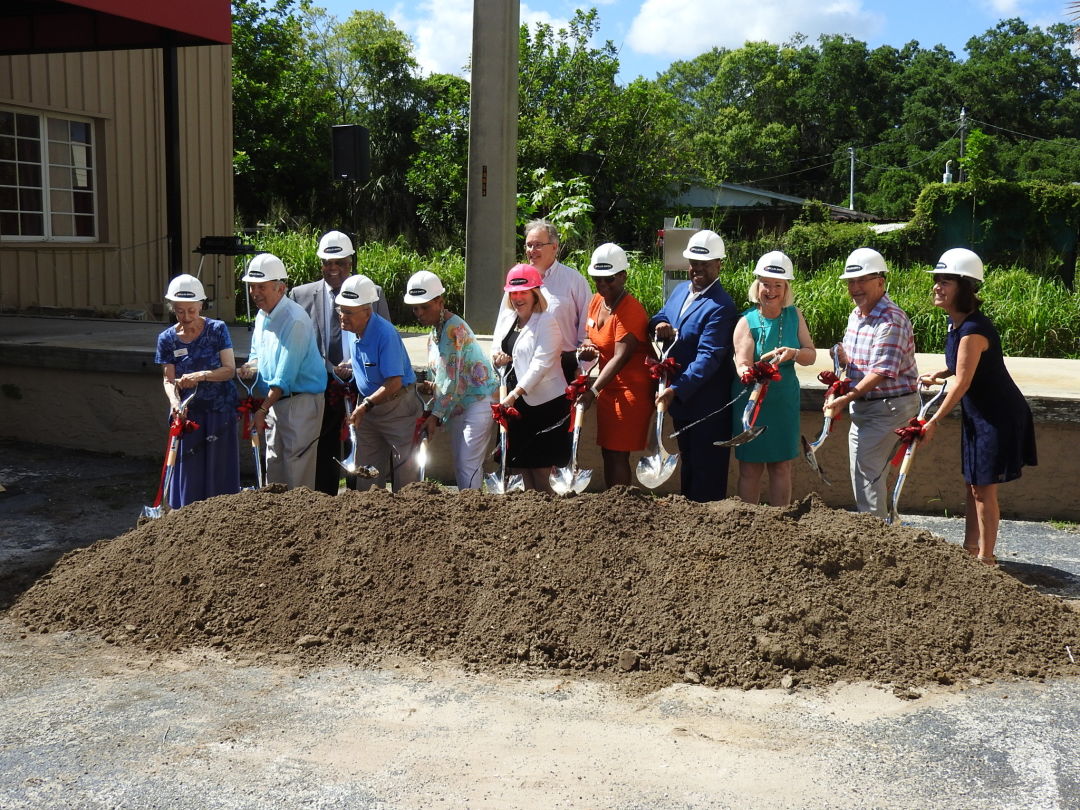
x=565 y=480
x=762 y=373
x=499 y=483
x=913 y=442
x=421 y=439
x=654 y=470
x=247 y=407
x=836 y=385
x=349 y=465
x=176 y=429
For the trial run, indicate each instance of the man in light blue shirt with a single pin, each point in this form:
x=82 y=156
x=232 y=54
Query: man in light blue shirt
x=287 y=362
x=385 y=418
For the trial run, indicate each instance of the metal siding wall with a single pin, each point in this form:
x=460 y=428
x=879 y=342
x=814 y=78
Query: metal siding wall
x=122 y=89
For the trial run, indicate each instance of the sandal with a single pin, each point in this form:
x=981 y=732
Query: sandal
x=991 y=560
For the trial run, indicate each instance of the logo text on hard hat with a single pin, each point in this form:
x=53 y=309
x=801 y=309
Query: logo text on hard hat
x=941 y=266
x=699 y=249
x=347 y=294
x=417 y=291
x=772 y=268
x=256 y=273
x=602 y=266
x=184 y=294
x=333 y=249
x=517 y=282
x=853 y=268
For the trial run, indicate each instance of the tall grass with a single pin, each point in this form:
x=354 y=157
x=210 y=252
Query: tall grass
x=1036 y=316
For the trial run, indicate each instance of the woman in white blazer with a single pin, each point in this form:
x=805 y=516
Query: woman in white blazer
x=530 y=343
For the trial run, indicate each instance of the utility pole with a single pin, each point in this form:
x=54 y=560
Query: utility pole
x=492 y=192
x=851 y=180
x=963 y=133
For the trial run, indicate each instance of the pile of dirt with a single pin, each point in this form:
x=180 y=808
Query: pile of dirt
x=728 y=594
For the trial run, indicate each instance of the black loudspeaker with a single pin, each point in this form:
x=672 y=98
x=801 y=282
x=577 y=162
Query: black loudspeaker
x=350 y=156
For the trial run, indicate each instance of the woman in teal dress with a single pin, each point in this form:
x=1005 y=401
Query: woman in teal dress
x=773 y=330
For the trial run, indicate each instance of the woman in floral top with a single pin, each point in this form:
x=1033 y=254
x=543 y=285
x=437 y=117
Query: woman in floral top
x=464 y=382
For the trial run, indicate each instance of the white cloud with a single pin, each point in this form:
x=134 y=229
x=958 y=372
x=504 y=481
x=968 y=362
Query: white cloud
x=686 y=28
x=1006 y=7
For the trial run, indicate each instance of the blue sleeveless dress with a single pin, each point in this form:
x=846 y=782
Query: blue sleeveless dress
x=997 y=434
x=780 y=410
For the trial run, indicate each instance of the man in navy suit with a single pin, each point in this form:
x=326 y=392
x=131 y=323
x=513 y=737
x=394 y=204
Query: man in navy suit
x=700 y=318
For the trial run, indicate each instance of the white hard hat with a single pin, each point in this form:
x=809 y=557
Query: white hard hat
x=960 y=262
x=265 y=267
x=775 y=264
x=863 y=262
x=608 y=260
x=185 y=288
x=335 y=245
x=704 y=245
x=423 y=287
x=356 y=291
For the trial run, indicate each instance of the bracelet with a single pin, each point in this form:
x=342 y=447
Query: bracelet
x=595 y=391
x=264 y=410
x=368 y=404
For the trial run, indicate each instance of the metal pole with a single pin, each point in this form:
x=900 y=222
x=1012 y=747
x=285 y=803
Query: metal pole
x=963 y=133
x=851 y=179
x=173 y=219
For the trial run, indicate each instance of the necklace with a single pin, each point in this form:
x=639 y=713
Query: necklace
x=612 y=307
x=765 y=323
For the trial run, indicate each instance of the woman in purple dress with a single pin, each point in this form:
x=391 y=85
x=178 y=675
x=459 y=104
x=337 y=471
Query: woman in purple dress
x=196 y=354
x=997 y=431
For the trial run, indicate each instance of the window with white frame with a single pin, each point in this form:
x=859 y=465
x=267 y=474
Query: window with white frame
x=48 y=177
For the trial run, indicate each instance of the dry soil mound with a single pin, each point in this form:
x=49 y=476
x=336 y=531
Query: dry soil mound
x=729 y=593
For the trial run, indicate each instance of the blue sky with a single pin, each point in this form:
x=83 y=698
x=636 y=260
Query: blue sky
x=653 y=33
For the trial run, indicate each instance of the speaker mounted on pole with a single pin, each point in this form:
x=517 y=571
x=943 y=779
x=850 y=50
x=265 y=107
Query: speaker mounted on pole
x=350 y=156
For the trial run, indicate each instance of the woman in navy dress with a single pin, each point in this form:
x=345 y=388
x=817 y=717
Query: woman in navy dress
x=197 y=351
x=997 y=431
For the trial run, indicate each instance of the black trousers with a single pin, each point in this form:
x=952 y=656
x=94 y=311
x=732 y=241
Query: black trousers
x=328 y=472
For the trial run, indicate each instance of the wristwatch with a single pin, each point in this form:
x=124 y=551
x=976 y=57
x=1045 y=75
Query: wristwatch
x=368 y=404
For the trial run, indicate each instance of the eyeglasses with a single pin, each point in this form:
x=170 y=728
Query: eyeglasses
x=537 y=245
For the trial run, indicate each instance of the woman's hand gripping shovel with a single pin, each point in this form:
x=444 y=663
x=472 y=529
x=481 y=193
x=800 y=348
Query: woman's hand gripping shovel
x=654 y=470
x=565 y=480
x=836 y=386
x=247 y=407
x=178 y=426
x=499 y=483
x=910 y=436
x=760 y=375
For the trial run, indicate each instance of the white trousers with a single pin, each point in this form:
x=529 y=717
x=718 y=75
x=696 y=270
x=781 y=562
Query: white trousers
x=470 y=435
x=870 y=443
x=292 y=438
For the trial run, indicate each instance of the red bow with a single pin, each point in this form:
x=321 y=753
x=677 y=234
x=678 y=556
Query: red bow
x=335 y=393
x=913 y=431
x=418 y=428
x=178 y=426
x=837 y=387
x=761 y=371
x=248 y=405
x=501 y=413
x=662 y=371
x=577 y=387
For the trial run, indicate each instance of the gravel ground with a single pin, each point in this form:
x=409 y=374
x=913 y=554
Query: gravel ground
x=85 y=724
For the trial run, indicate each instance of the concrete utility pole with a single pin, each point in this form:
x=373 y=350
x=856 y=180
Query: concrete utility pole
x=851 y=179
x=492 y=196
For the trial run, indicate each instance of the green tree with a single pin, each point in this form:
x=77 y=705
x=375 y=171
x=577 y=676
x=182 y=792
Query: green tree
x=281 y=113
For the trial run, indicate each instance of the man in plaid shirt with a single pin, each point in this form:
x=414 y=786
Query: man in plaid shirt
x=879 y=351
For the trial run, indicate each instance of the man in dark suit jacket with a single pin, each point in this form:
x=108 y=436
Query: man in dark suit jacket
x=317 y=299
x=700 y=318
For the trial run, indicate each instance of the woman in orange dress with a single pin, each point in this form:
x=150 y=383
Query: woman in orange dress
x=623 y=391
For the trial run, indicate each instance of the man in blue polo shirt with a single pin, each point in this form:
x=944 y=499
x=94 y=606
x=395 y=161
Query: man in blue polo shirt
x=288 y=364
x=385 y=417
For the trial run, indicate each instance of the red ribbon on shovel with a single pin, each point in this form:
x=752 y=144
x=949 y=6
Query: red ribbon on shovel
x=662 y=370
x=247 y=407
x=177 y=427
x=418 y=428
x=761 y=371
x=573 y=391
x=502 y=413
x=914 y=430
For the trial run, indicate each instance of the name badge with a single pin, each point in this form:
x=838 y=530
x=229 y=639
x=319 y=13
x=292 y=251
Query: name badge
x=180 y=353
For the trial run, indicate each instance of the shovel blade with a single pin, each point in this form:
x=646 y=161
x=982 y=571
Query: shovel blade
x=747 y=435
x=359 y=470
x=810 y=454
x=153 y=511
x=494 y=484
x=565 y=480
x=654 y=470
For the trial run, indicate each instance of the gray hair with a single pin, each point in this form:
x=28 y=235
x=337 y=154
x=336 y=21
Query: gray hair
x=542 y=225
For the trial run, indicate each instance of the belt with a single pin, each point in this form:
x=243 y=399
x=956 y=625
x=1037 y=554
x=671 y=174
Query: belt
x=890 y=396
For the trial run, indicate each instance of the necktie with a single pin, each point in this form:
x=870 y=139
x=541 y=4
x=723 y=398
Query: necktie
x=333 y=348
